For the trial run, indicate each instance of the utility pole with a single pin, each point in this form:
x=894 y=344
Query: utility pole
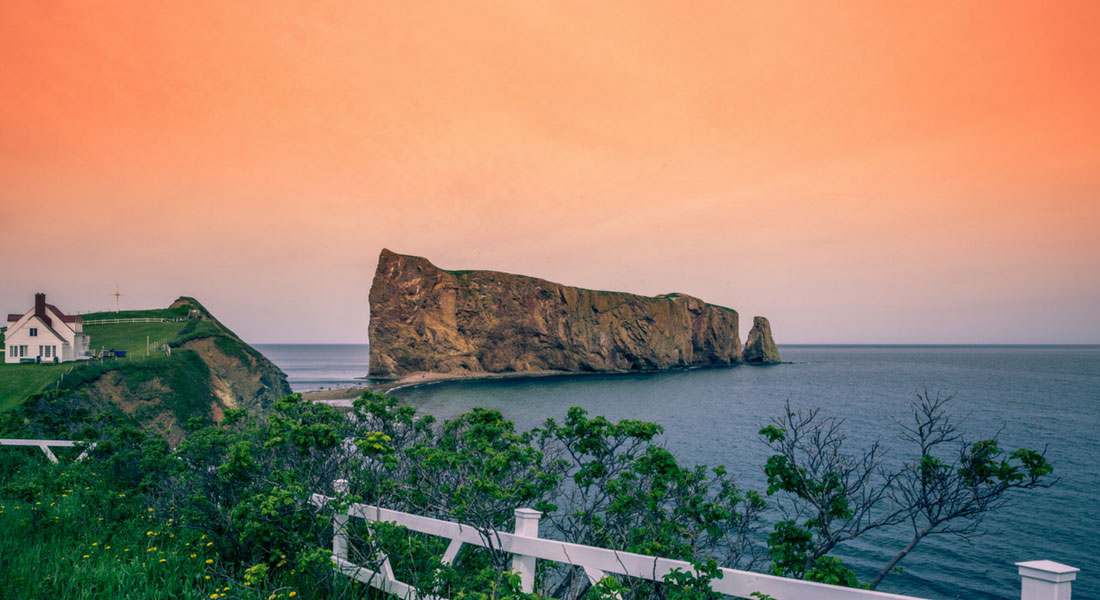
x=117 y=296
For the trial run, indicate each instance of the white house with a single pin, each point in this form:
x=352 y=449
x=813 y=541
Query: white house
x=45 y=334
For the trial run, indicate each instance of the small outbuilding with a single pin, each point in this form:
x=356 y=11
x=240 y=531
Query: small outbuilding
x=44 y=334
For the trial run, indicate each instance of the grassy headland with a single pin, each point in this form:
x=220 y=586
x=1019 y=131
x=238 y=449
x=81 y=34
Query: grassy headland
x=20 y=382
x=186 y=366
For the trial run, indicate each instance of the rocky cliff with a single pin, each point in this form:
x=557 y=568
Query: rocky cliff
x=427 y=320
x=759 y=346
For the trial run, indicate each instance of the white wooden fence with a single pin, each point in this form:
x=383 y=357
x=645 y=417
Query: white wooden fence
x=136 y=320
x=45 y=446
x=1042 y=580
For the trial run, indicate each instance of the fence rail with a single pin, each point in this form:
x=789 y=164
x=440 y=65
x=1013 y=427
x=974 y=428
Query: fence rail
x=45 y=446
x=1042 y=580
x=136 y=320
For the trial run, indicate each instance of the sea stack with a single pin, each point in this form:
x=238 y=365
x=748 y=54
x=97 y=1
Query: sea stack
x=428 y=320
x=760 y=347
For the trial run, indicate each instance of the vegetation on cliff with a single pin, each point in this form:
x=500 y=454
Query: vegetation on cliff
x=188 y=368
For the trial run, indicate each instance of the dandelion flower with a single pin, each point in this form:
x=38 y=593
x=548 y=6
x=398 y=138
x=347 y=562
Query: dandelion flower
x=210 y=561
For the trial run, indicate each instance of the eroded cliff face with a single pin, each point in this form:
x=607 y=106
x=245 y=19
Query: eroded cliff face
x=427 y=320
x=759 y=346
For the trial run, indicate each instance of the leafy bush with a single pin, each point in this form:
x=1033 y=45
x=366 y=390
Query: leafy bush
x=237 y=496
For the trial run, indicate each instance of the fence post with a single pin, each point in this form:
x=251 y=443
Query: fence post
x=1046 y=580
x=340 y=524
x=527 y=525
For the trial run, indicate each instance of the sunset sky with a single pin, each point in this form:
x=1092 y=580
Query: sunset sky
x=859 y=172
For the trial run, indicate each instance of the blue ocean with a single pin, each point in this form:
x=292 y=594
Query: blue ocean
x=1036 y=396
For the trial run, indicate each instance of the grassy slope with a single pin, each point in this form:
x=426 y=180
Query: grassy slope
x=131 y=336
x=19 y=382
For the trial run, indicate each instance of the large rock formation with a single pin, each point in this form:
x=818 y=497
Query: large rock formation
x=427 y=320
x=759 y=346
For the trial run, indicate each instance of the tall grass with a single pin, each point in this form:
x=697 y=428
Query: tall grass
x=67 y=533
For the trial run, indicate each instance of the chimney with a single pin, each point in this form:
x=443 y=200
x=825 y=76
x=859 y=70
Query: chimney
x=40 y=308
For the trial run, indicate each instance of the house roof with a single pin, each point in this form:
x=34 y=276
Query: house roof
x=43 y=310
x=57 y=335
x=65 y=317
x=43 y=325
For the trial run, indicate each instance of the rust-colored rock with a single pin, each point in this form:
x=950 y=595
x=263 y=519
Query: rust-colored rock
x=760 y=348
x=427 y=320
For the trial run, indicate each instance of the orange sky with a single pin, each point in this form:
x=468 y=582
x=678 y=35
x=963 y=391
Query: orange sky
x=858 y=172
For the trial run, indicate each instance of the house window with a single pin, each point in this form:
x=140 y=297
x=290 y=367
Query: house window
x=49 y=351
x=34 y=332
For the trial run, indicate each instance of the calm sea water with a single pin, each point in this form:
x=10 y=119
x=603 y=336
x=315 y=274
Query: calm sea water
x=1041 y=396
x=310 y=367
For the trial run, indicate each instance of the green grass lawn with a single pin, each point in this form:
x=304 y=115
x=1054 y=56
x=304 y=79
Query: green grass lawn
x=130 y=336
x=19 y=382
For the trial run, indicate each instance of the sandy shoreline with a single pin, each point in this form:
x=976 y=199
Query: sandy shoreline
x=344 y=396
x=351 y=393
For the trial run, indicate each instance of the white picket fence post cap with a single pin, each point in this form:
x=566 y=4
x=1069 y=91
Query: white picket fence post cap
x=527 y=513
x=1047 y=570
